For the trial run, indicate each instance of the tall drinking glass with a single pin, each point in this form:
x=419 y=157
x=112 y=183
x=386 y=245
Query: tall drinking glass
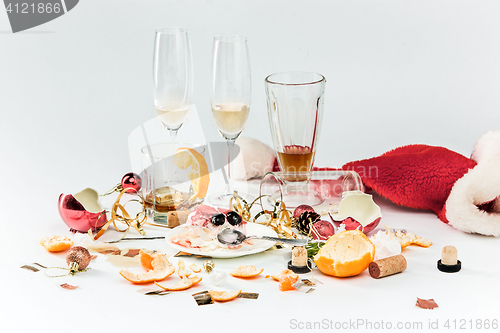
x=230 y=97
x=295 y=103
x=172 y=77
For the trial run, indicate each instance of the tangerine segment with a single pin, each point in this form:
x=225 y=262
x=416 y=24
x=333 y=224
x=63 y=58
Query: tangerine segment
x=56 y=243
x=184 y=284
x=146 y=258
x=161 y=269
x=195 y=268
x=224 y=296
x=199 y=174
x=182 y=269
x=246 y=271
x=287 y=281
x=283 y=273
x=345 y=254
x=183 y=159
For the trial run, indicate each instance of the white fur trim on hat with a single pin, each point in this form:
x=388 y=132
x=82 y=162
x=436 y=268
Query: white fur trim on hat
x=479 y=186
x=254 y=160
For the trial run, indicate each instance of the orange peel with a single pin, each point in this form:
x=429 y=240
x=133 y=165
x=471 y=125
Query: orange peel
x=283 y=273
x=157 y=268
x=246 y=271
x=184 y=284
x=224 y=296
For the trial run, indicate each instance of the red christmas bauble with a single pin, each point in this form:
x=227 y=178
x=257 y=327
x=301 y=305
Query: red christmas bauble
x=132 y=182
x=301 y=209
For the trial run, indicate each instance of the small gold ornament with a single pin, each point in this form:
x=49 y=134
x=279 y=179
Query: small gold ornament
x=208 y=266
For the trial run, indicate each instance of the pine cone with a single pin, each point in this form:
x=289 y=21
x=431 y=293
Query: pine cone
x=304 y=222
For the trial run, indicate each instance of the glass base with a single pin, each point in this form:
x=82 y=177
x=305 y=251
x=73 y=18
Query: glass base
x=296 y=194
x=222 y=199
x=160 y=218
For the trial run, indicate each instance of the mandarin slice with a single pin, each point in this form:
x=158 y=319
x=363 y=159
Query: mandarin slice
x=146 y=257
x=287 y=281
x=182 y=269
x=224 y=296
x=199 y=173
x=195 y=268
x=246 y=271
x=56 y=243
x=183 y=159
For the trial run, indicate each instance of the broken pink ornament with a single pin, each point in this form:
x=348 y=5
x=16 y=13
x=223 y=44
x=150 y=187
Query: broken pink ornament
x=82 y=211
x=357 y=211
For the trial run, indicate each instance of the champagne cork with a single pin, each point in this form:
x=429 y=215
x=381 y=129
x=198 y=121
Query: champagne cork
x=177 y=217
x=449 y=262
x=449 y=255
x=299 y=262
x=299 y=256
x=387 y=266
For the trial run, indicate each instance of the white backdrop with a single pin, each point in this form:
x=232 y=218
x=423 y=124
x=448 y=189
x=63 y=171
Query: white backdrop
x=398 y=72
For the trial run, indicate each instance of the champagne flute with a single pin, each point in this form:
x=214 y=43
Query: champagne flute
x=230 y=97
x=172 y=77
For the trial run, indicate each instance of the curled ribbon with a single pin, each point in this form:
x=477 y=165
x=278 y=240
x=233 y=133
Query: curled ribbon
x=136 y=222
x=279 y=219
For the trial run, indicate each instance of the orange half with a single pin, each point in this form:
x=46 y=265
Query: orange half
x=347 y=253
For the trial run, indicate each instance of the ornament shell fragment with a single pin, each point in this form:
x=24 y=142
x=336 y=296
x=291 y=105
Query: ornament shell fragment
x=82 y=211
x=357 y=211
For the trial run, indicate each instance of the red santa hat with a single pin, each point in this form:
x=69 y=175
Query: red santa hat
x=464 y=192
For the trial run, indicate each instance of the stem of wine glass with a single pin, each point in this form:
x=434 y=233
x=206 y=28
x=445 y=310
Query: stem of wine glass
x=230 y=151
x=173 y=135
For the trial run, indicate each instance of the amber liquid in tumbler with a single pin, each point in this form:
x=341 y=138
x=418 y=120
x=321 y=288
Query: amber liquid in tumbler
x=167 y=199
x=296 y=161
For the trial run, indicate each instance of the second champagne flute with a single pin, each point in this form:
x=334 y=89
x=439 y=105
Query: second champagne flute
x=230 y=97
x=172 y=77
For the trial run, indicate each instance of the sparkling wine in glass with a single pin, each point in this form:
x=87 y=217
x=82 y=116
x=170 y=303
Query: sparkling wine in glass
x=230 y=97
x=172 y=77
x=295 y=103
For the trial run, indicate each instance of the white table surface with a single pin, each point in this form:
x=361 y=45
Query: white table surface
x=398 y=72
x=105 y=301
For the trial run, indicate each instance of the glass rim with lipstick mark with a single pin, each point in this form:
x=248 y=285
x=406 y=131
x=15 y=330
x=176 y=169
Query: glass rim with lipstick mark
x=172 y=178
x=295 y=103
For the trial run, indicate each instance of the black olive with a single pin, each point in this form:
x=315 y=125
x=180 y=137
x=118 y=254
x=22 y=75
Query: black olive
x=233 y=218
x=218 y=219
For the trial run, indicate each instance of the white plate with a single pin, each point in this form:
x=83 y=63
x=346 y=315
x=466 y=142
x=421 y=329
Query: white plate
x=252 y=229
